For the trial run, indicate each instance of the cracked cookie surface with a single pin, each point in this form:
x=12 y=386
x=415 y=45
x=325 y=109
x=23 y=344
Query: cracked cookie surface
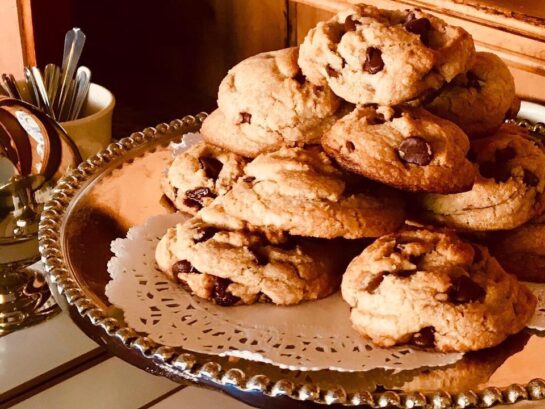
x=238 y=267
x=407 y=148
x=431 y=289
x=369 y=55
x=199 y=174
x=301 y=192
x=265 y=102
x=508 y=190
x=478 y=101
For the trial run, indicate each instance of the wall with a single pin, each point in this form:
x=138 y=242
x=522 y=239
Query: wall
x=11 y=49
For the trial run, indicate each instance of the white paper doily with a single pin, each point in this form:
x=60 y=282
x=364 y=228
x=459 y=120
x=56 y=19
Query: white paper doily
x=311 y=336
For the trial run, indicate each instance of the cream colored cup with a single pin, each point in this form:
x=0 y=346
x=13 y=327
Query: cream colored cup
x=93 y=131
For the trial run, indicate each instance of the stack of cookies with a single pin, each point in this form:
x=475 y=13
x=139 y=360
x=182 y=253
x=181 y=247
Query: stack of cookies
x=383 y=125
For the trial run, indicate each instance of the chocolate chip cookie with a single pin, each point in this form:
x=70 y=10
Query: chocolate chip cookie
x=522 y=251
x=408 y=148
x=239 y=267
x=508 y=190
x=478 y=101
x=199 y=174
x=431 y=289
x=369 y=55
x=300 y=191
x=265 y=102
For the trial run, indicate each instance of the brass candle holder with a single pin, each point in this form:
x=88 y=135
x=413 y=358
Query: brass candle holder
x=35 y=152
x=25 y=298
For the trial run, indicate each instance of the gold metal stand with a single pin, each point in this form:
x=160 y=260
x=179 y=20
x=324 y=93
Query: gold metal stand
x=25 y=298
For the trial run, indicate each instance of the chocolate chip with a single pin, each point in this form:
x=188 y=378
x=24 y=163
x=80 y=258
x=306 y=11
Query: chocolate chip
x=374 y=283
x=464 y=290
x=378 y=119
x=249 y=179
x=350 y=24
x=505 y=154
x=373 y=61
x=415 y=150
x=350 y=146
x=245 y=118
x=260 y=258
x=425 y=338
x=212 y=167
x=205 y=234
x=332 y=72
x=183 y=267
x=530 y=178
x=398 y=112
x=192 y=203
x=416 y=259
x=198 y=193
x=404 y=273
x=299 y=77
x=493 y=170
x=420 y=26
x=221 y=295
x=288 y=244
x=473 y=81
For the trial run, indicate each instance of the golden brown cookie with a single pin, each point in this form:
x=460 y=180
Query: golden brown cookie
x=478 y=101
x=431 y=289
x=407 y=148
x=199 y=174
x=265 y=102
x=508 y=191
x=369 y=55
x=238 y=267
x=300 y=191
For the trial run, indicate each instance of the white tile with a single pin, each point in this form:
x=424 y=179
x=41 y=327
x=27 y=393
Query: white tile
x=197 y=398
x=112 y=384
x=30 y=352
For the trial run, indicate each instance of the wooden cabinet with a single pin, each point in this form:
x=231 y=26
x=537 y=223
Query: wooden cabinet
x=166 y=59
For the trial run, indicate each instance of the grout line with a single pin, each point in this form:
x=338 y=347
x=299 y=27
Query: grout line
x=155 y=401
x=53 y=377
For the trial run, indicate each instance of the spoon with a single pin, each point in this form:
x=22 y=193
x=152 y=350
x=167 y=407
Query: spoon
x=11 y=85
x=41 y=91
x=33 y=89
x=52 y=75
x=73 y=46
x=3 y=90
x=83 y=83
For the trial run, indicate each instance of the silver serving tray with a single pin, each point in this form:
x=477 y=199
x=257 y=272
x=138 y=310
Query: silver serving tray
x=117 y=188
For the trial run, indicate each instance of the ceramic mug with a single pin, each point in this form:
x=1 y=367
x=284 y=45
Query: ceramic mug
x=93 y=131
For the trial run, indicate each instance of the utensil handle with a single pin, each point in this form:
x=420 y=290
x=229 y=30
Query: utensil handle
x=73 y=46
